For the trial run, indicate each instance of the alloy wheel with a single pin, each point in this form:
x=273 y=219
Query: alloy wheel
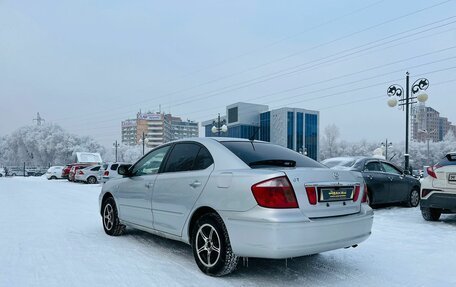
x=208 y=245
x=108 y=216
x=414 y=198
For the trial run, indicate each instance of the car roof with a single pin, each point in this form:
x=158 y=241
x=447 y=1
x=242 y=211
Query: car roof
x=354 y=158
x=217 y=139
x=92 y=166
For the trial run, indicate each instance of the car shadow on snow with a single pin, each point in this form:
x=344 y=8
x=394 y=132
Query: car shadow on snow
x=276 y=272
x=449 y=219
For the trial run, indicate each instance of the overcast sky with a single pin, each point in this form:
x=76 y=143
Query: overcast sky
x=87 y=65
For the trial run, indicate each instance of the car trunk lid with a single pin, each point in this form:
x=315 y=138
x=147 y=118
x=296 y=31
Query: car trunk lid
x=334 y=191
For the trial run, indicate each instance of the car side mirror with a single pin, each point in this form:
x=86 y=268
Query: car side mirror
x=406 y=172
x=124 y=169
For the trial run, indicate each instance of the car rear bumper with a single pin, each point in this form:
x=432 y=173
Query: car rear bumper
x=293 y=235
x=440 y=200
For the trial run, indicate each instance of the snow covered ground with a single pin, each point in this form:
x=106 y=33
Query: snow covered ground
x=51 y=235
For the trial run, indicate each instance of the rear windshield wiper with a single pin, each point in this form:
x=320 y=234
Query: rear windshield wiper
x=274 y=162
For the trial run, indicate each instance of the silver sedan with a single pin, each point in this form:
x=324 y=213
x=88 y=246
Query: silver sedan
x=230 y=198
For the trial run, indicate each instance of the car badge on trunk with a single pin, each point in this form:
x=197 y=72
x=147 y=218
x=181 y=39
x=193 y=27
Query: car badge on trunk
x=336 y=175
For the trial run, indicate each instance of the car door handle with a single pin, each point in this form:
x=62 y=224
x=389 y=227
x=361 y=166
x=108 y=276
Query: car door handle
x=149 y=185
x=195 y=184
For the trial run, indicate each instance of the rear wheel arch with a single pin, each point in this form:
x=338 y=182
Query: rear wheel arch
x=105 y=197
x=90 y=177
x=195 y=216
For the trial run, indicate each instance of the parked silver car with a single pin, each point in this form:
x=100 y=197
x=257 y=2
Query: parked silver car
x=109 y=171
x=90 y=174
x=231 y=198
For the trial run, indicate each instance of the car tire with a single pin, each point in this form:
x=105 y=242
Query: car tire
x=370 y=200
x=413 y=198
x=13 y=174
x=431 y=214
x=53 y=177
x=91 y=180
x=110 y=218
x=211 y=246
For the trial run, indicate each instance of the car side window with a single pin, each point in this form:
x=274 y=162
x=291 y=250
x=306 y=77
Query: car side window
x=203 y=159
x=182 y=157
x=97 y=168
x=150 y=164
x=373 y=166
x=390 y=169
x=114 y=166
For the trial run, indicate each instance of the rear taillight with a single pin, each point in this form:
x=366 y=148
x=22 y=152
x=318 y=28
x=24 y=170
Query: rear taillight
x=431 y=170
x=364 y=199
x=81 y=172
x=311 y=194
x=106 y=173
x=275 y=193
x=356 y=194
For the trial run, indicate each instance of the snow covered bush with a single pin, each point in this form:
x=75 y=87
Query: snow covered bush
x=44 y=145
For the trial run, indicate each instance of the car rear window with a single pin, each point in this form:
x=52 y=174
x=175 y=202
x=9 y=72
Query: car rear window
x=255 y=153
x=114 y=166
x=347 y=162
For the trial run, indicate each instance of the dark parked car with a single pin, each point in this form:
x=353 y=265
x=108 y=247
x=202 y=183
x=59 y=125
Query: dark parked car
x=386 y=182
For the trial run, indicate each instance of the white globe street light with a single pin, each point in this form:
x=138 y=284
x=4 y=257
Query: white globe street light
x=219 y=126
x=392 y=102
x=406 y=101
x=422 y=97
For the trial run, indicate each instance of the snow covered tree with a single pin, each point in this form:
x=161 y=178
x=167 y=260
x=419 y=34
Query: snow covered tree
x=125 y=153
x=329 y=142
x=44 y=145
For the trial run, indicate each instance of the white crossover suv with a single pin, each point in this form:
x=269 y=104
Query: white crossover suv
x=438 y=189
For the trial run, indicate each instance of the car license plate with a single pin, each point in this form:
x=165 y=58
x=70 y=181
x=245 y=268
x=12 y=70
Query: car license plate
x=452 y=177
x=336 y=193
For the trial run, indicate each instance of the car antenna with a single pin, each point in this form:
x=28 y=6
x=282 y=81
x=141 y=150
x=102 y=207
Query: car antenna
x=252 y=137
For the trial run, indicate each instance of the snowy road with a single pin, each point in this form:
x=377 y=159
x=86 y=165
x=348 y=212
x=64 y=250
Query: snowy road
x=51 y=235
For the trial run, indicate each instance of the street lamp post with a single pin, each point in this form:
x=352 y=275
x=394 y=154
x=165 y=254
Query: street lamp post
x=219 y=126
x=418 y=88
x=115 y=145
x=386 y=145
x=427 y=133
x=143 y=141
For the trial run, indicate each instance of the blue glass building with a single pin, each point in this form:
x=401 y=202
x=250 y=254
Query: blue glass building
x=294 y=128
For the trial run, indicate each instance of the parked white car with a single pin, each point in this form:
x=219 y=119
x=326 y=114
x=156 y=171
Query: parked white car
x=230 y=198
x=90 y=174
x=2 y=172
x=110 y=171
x=54 y=172
x=438 y=189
